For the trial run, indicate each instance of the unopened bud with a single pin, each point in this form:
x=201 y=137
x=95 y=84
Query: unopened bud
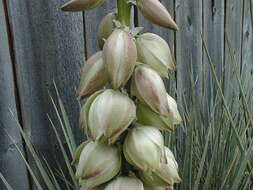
x=155 y=52
x=107 y=115
x=81 y=5
x=148 y=86
x=94 y=76
x=120 y=56
x=165 y=176
x=144 y=148
x=105 y=28
x=125 y=183
x=156 y=13
x=97 y=164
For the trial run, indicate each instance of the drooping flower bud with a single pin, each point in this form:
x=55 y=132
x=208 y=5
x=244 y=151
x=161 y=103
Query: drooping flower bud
x=97 y=164
x=81 y=5
x=156 y=13
x=106 y=28
x=155 y=52
x=120 y=56
x=94 y=76
x=107 y=115
x=148 y=86
x=165 y=176
x=121 y=183
x=174 y=115
x=84 y=113
x=146 y=116
x=144 y=148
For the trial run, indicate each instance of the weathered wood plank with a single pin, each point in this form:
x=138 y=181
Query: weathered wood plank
x=213 y=31
x=233 y=28
x=189 y=57
x=48 y=45
x=11 y=164
x=247 y=53
x=92 y=20
x=188 y=45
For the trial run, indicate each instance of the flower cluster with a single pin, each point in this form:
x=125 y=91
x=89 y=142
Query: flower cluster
x=124 y=121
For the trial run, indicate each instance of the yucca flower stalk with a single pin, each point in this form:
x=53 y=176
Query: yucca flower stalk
x=124 y=146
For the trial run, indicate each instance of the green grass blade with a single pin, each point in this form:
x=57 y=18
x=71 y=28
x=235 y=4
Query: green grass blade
x=35 y=156
x=66 y=159
x=202 y=162
x=66 y=121
x=243 y=164
x=27 y=164
x=239 y=143
x=7 y=185
x=71 y=150
x=52 y=175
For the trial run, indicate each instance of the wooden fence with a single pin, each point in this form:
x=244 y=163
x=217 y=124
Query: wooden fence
x=39 y=43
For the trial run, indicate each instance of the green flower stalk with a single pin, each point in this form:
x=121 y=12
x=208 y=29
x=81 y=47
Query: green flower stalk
x=126 y=148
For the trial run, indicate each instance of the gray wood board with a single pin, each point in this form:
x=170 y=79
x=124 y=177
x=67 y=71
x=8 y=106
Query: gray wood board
x=247 y=54
x=11 y=164
x=233 y=28
x=213 y=32
x=189 y=45
x=48 y=45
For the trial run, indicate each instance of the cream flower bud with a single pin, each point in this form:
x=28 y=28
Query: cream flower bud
x=120 y=55
x=165 y=176
x=94 y=76
x=146 y=116
x=106 y=28
x=107 y=115
x=97 y=164
x=150 y=187
x=84 y=113
x=148 y=86
x=144 y=148
x=155 y=52
x=121 y=183
x=81 y=5
x=156 y=13
x=174 y=114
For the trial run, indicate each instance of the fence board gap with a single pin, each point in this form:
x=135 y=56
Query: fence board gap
x=11 y=166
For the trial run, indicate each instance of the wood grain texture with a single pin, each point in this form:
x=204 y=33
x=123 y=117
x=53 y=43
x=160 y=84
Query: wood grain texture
x=92 y=20
x=247 y=53
x=233 y=28
x=48 y=45
x=11 y=164
x=189 y=59
x=189 y=45
x=213 y=32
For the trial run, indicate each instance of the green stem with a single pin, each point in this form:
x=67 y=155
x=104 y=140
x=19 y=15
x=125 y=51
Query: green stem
x=124 y=12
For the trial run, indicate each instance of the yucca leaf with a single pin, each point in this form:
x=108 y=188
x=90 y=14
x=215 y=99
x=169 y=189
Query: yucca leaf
x=35 y=156
x=7 y=185
x=64 y=153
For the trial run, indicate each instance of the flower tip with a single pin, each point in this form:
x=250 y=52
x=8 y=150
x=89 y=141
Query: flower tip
x=66 y=6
